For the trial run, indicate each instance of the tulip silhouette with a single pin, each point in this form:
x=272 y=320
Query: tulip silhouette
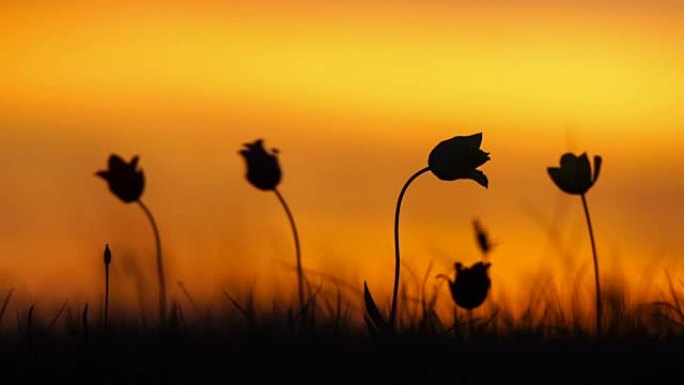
x=124 y=180
x=471 y=286
x=575 y=177
x=127 y=183
x=458 y=158
x=452 y=159
x=263 y=172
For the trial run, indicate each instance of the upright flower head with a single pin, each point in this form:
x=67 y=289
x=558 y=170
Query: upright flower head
x=574 y=175
x=107 y=255
x=263 y=171
x=124 y=179
x=458 y=158
x=471 y=286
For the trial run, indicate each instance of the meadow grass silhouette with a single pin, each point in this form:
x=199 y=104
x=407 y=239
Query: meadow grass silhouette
x=335 y=333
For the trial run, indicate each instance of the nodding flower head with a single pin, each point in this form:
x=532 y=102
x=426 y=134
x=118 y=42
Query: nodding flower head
x=263 y=171
x=574 y=176
x=459 y=158
x=124 y=179
x=471 y=286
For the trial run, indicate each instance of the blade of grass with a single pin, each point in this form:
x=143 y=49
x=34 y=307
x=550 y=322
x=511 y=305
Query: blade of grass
x=54 y=320
x=5 y=303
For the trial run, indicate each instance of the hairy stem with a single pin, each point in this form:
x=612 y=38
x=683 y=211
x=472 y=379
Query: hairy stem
x=599 y=309
x=160 y=266
x=300 y=273
x=397 y=259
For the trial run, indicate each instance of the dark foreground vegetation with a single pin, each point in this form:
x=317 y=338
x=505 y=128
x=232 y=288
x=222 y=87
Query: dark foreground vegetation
x=323 y=339
x=638 y=345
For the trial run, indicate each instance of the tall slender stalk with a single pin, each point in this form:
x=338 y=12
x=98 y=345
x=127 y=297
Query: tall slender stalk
x=106 y=304
x=300 y=272
x=599 y=308
x=397 y=259
x=160 y=266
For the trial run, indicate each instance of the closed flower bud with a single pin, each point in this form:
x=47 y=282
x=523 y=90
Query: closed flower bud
x=107 y=256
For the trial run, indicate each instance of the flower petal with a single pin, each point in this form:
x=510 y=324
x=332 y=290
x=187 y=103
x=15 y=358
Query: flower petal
x=568 y=163
x=479 y=177
x=474 y=141
x=116 y=162
x=583 y=173
x=558 y=177
x=597 y=168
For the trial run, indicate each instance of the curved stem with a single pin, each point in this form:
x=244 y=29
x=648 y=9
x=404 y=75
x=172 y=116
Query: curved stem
x=300 y=273
x=599 y=309
x=160 y=266
x=397 y=259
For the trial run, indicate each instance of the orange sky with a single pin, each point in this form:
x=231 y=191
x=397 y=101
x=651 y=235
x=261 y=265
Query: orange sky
x=355 y=97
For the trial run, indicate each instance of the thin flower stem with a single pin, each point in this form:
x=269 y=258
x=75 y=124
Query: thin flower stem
x=397 y=259
x=106 y=305
x=300 y=273
x=599 y=309
x=160 y=266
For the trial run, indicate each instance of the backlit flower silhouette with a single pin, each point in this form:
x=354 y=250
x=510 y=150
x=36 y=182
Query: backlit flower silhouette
x=459 y=158
x=452 y=159
x=471 y=286
x=124 y=179
x=127 y=183
x=575 y=177
x=263 y=172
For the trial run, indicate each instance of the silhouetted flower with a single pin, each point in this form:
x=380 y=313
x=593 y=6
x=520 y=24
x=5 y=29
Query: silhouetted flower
x=128 y=183
x=471 y=286
x=107 y=255
x=574 y=175
x=263 y=170
x=125 y=181
x=458 y=158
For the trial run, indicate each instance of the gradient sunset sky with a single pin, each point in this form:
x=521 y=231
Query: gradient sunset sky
x=354 y=95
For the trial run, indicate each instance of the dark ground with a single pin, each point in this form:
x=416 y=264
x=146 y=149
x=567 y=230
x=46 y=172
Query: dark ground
x=326 y=360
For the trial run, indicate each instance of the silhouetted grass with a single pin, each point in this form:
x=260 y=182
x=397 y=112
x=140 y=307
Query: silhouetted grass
x=243 y=343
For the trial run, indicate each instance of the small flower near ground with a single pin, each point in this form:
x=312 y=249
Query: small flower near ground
x=471 y=286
